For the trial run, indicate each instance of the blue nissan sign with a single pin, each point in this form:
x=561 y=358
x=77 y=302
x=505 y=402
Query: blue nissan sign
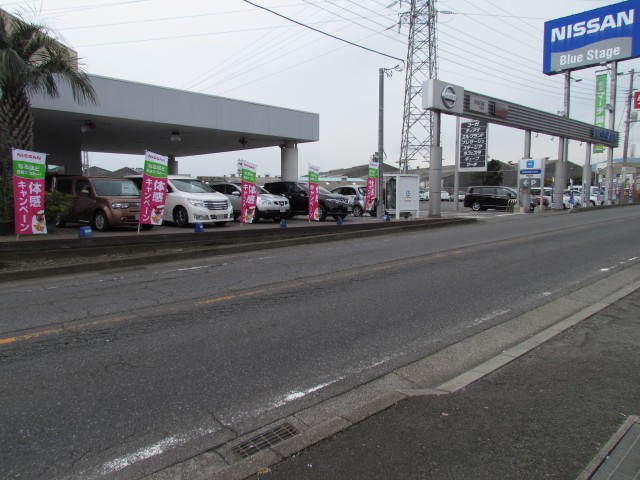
x=592 y=38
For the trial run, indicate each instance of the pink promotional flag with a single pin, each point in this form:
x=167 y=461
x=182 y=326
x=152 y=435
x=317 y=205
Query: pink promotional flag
x=29 y=169
x=372 y=182
x=249 y=193
x=154 y=189
x=314 y=186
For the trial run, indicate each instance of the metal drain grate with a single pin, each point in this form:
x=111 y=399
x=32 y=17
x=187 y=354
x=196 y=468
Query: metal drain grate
x=266 y=440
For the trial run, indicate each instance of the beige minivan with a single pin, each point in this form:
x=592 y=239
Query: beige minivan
x=102 y=202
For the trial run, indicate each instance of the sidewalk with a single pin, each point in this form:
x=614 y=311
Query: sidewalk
x=547 y=414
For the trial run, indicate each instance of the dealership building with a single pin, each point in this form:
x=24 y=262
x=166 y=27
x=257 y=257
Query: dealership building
x=131 y=118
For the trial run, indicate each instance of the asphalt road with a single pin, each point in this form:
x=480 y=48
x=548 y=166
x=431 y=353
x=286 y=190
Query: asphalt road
x=121 y=373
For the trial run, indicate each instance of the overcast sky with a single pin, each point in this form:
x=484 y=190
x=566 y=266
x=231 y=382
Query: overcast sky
x=232 y=49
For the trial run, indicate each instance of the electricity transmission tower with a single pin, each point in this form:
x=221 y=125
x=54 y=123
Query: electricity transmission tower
x=421 y=65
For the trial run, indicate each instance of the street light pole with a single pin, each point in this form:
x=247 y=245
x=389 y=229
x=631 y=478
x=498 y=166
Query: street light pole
x=380 y=198
x=561 y=165
x=611 y=126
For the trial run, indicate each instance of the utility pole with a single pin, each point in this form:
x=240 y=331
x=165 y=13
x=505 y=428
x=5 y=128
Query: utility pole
x=611 y=125
x=625 y=149
x=380 y=207
x=417 y=128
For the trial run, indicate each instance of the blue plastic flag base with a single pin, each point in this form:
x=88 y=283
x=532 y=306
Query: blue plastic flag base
x=85 y=232
x=199 y=228
x=283 y=223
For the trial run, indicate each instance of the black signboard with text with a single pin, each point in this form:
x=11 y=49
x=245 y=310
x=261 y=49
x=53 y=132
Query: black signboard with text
x=473 y=146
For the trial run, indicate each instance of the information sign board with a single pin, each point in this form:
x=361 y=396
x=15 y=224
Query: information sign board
x=473 y=146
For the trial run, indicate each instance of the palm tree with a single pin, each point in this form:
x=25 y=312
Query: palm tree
x=31 y=62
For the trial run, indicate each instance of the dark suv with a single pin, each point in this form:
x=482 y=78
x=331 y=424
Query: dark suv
x=298 y=195
x=481 y=198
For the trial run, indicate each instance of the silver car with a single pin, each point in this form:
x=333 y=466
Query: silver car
x=267 y=205
x=358 y=193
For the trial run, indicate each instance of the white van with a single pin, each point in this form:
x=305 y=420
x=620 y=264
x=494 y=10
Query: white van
x=191 y=201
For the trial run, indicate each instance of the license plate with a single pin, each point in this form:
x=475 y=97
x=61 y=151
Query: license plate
x=283 y=209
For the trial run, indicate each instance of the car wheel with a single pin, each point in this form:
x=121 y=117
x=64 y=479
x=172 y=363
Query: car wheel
x=146 y=226
x=592 y=203
x=357 y=211
x=322 y=212
x=236 y=216
x=476 y=206
x=100 y=222
x=59 y=221
x=181 y=217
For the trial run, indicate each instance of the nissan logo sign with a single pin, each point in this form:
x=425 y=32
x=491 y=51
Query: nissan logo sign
x=449 y=96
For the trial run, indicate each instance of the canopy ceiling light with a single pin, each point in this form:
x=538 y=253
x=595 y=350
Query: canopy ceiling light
x=88 y=125
x=175 y=136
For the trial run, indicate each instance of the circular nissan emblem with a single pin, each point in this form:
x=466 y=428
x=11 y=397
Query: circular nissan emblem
x=449 y=96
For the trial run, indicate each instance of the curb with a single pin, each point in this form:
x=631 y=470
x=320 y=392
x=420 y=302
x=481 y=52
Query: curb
x=70 y=256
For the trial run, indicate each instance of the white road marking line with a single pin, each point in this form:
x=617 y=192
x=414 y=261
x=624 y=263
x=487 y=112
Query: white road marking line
x=488 y=317
x=162 y=446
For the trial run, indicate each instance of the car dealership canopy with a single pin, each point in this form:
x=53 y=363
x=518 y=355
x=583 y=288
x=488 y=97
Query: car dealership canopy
x=131 y=118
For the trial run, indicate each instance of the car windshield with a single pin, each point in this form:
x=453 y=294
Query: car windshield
x=116 y=188
x=362 y=190
x=190 y=185
x=261 y=190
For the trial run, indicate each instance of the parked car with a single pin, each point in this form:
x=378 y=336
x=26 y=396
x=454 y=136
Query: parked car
x=359 y=195
x=298 y=195
x=536 y=199
x=102 y=202
x=190 y=201
x=596 y=195
x=444 y=196
x=571 y=195
x=548 y=198
x=484 y=197
x=267 y=204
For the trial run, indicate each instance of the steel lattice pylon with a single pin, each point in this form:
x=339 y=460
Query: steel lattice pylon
x=422 y=65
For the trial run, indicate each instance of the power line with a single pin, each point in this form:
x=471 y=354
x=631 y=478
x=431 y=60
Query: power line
x=324 y=33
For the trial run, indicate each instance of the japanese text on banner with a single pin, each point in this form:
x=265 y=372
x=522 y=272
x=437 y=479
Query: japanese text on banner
x=29 y=170
x=154 y=189
x=314 y=186
x=372 y=183
x=249 y=193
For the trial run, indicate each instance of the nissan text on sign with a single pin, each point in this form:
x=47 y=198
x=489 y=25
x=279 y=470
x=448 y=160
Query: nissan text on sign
x=592 y=38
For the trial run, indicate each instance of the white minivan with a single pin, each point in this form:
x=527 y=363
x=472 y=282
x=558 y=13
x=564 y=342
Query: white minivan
x=191 y=201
